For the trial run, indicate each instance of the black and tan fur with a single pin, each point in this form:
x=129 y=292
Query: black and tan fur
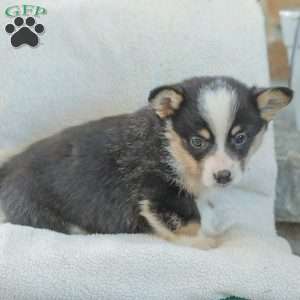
x=132 y=173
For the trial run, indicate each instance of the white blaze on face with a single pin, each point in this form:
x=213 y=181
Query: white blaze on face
x=218 y=105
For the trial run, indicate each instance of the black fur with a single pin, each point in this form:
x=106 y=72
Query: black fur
x=95 y=175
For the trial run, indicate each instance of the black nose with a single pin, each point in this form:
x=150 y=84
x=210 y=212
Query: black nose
x=223 y=177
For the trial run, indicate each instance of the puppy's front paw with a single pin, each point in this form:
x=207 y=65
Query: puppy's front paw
x=204 y=243
x=199 y=242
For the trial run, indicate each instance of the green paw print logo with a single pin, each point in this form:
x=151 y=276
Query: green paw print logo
x=24 y=29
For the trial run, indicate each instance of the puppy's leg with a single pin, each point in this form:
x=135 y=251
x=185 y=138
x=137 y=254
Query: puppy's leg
x=189 y=234
x=199 y=241
x=24 y=201
x=192 y=235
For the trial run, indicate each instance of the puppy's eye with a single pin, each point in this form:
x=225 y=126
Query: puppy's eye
x=198 y=143
x=240 y=139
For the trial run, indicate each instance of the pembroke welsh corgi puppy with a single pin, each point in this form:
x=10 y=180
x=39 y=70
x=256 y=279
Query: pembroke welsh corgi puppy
x=141 y=172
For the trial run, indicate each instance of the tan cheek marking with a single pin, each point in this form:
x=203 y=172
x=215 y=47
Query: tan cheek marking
x=181 y=154
x=236 y=129
x=204 y=133
x=189 y=169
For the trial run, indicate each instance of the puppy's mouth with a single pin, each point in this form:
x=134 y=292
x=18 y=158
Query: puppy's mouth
x=223 y=185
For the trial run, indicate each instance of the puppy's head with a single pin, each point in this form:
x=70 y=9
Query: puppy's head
x=213 y=126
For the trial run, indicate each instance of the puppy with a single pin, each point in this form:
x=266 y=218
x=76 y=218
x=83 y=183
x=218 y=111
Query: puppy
x=141 y=172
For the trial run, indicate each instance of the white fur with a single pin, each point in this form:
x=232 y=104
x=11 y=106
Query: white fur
x=74 y=229
x=219 y=106
x=218 y=162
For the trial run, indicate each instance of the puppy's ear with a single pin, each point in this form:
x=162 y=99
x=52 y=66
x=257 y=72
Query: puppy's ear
x=166 y=100
x=271 y=100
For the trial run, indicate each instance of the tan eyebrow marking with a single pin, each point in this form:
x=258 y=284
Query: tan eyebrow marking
x=235 y=129
x=204 y=133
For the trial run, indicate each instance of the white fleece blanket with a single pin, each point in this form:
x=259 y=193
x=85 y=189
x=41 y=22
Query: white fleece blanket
x=97 y=58
x=140 y=267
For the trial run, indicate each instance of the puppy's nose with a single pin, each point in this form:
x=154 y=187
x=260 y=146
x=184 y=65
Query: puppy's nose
x=223 y=177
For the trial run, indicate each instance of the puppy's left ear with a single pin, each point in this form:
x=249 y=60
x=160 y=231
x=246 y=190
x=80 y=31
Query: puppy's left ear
x=271 y=100
x=166 y=100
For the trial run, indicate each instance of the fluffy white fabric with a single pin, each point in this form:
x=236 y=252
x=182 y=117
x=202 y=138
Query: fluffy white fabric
x=102 y=57
x=39 y=264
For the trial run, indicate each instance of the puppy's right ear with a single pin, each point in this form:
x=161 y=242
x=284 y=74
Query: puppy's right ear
x=166 y=100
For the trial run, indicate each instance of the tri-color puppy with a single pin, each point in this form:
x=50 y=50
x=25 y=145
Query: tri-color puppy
x=141 y=172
